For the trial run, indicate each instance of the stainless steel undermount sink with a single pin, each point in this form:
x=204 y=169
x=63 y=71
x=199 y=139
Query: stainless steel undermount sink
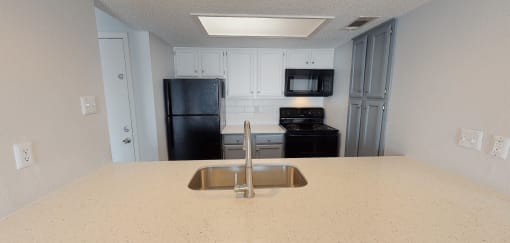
x=264 y=176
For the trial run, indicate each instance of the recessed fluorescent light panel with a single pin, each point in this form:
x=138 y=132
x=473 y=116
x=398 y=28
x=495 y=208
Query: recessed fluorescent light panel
x=260 y=26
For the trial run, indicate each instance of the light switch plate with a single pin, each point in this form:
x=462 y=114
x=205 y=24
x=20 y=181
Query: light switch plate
x=501 y=147
x=23 y=155
x=88 y=105
x=471 y=139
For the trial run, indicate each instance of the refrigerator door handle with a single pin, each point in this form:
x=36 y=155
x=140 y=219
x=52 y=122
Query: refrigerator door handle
x=171 y=132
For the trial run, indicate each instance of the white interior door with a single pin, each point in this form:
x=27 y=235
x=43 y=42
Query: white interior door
x=116 y=87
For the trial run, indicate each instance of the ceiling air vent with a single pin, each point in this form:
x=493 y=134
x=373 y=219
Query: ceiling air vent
x=359 y=22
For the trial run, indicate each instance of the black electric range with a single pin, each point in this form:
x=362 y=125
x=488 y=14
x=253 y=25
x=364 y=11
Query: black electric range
x=307 y=135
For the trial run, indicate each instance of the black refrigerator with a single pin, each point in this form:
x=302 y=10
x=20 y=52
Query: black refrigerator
x=195 y=115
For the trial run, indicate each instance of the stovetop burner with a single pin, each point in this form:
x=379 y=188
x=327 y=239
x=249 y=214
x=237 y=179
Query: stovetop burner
x=309 y=127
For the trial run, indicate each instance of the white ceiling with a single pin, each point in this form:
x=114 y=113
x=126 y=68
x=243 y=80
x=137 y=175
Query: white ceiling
x=171 y=20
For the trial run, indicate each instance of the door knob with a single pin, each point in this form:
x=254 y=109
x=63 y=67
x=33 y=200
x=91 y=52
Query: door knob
x=126 y=140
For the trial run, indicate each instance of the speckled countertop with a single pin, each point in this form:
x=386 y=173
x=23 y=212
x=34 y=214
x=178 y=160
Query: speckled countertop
x=391 y=199
x=255 y=128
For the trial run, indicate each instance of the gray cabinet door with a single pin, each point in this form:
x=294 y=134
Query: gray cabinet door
x=377 y=62
x=353 y=128
x=371 y=128
x=268 y=151
x=358 y=66
x=233 y=152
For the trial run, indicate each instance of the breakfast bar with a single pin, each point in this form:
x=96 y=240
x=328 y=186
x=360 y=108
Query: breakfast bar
x=387 y=199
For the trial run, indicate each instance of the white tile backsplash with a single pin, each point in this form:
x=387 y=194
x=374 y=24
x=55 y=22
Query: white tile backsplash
x=264 y=110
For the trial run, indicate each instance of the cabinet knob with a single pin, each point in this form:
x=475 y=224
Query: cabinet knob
x=121 y=76
x=203 y=71
x=196 y=71
x=307 y=63
x=313 y=62
x=258 y=92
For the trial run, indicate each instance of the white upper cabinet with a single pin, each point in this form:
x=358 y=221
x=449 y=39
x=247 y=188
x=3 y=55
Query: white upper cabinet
x=249 y=72
x=186 y=62
x=322 y=58
x=298 y=58
x=199 y=62
x=270 y=72
x=310 y=58
x=241 y=72
x=212 y=62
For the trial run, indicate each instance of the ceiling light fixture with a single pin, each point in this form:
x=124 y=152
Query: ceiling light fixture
x=260 y=25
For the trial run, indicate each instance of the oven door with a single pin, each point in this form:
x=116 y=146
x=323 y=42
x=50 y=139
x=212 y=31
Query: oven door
x=300 y=145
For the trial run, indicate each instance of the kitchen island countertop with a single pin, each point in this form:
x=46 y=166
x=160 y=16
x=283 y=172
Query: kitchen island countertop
x=389 y=199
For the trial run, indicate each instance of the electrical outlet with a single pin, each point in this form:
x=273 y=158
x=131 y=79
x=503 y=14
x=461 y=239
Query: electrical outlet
x=23 y=155
x=501 y=147
x=471 y=139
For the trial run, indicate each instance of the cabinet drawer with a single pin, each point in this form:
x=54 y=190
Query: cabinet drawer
x=233 y=139
x=268 y=138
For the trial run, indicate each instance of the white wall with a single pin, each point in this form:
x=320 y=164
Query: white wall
x=450 y=72
x=336 y=106
x=162 y=67
x=145 y=110
x=264 y=111
x=50 y=57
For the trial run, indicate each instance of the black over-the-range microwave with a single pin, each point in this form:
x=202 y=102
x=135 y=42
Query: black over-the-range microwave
x=309 y=82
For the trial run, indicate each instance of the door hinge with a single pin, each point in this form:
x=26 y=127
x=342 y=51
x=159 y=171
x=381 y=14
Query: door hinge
x=385 y=91
x=384 y=107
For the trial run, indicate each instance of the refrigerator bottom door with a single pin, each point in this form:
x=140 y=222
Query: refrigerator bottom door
x=195 y=138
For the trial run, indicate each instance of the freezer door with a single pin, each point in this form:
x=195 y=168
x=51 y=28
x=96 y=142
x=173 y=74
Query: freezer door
x=193 y=96
x=194 y=138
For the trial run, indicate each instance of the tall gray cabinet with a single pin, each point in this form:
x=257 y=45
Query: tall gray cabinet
x=368 y=93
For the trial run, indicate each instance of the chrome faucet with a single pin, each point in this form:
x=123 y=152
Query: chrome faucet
x=248 y=187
